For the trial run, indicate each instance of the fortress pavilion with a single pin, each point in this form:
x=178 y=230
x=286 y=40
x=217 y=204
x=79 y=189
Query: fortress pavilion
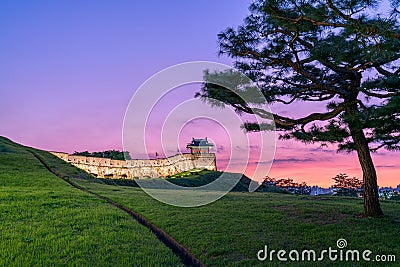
x=199 y=146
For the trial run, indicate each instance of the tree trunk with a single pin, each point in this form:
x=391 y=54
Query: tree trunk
x=372 y=207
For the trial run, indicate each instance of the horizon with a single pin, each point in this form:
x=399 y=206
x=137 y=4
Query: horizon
x=70 y=69
x=324 y=186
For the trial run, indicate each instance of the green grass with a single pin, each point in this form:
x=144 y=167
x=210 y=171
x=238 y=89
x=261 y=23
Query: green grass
x=189 y=173
x=46 y=222
x=228 y=232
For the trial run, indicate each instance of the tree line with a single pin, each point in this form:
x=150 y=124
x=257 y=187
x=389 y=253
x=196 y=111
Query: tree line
x=343 y=185
x=109 y=154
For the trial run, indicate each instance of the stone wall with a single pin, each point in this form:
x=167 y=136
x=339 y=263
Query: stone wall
x=140 y=168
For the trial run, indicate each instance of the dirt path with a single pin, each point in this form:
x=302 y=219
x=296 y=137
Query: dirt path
x=182 y=252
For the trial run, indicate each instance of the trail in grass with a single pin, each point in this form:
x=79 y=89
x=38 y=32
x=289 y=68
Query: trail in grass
x=46 y=222
x=182 y=252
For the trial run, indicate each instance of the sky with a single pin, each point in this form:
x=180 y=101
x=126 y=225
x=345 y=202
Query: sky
x=70 y=68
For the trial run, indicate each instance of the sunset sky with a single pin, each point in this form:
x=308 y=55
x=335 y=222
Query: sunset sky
x=69 y=69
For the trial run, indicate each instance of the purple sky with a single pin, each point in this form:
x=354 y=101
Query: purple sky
x=69 y=68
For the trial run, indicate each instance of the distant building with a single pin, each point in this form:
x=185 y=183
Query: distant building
x=199 y=146
x=387 y=192
x=316 y=191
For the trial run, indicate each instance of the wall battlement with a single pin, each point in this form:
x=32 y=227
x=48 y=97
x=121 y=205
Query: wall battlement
x=140 y=168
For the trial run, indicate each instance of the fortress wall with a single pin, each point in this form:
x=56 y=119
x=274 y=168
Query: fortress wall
x=140 y=168
x=205 y=161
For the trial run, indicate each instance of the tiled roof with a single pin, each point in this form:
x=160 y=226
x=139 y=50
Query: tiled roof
x=199 y=142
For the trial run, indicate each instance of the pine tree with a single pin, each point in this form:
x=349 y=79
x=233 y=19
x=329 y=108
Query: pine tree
x=331 y=51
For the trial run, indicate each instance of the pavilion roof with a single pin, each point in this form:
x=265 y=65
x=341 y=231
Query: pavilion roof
x=200 y=143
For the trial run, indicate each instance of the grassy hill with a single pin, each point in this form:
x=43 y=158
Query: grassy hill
x=45 y=221
x=190 y=179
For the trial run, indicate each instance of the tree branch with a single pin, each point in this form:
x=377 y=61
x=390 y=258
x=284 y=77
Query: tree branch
x=380 y=95
x=383 y=71
x=289 y=122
